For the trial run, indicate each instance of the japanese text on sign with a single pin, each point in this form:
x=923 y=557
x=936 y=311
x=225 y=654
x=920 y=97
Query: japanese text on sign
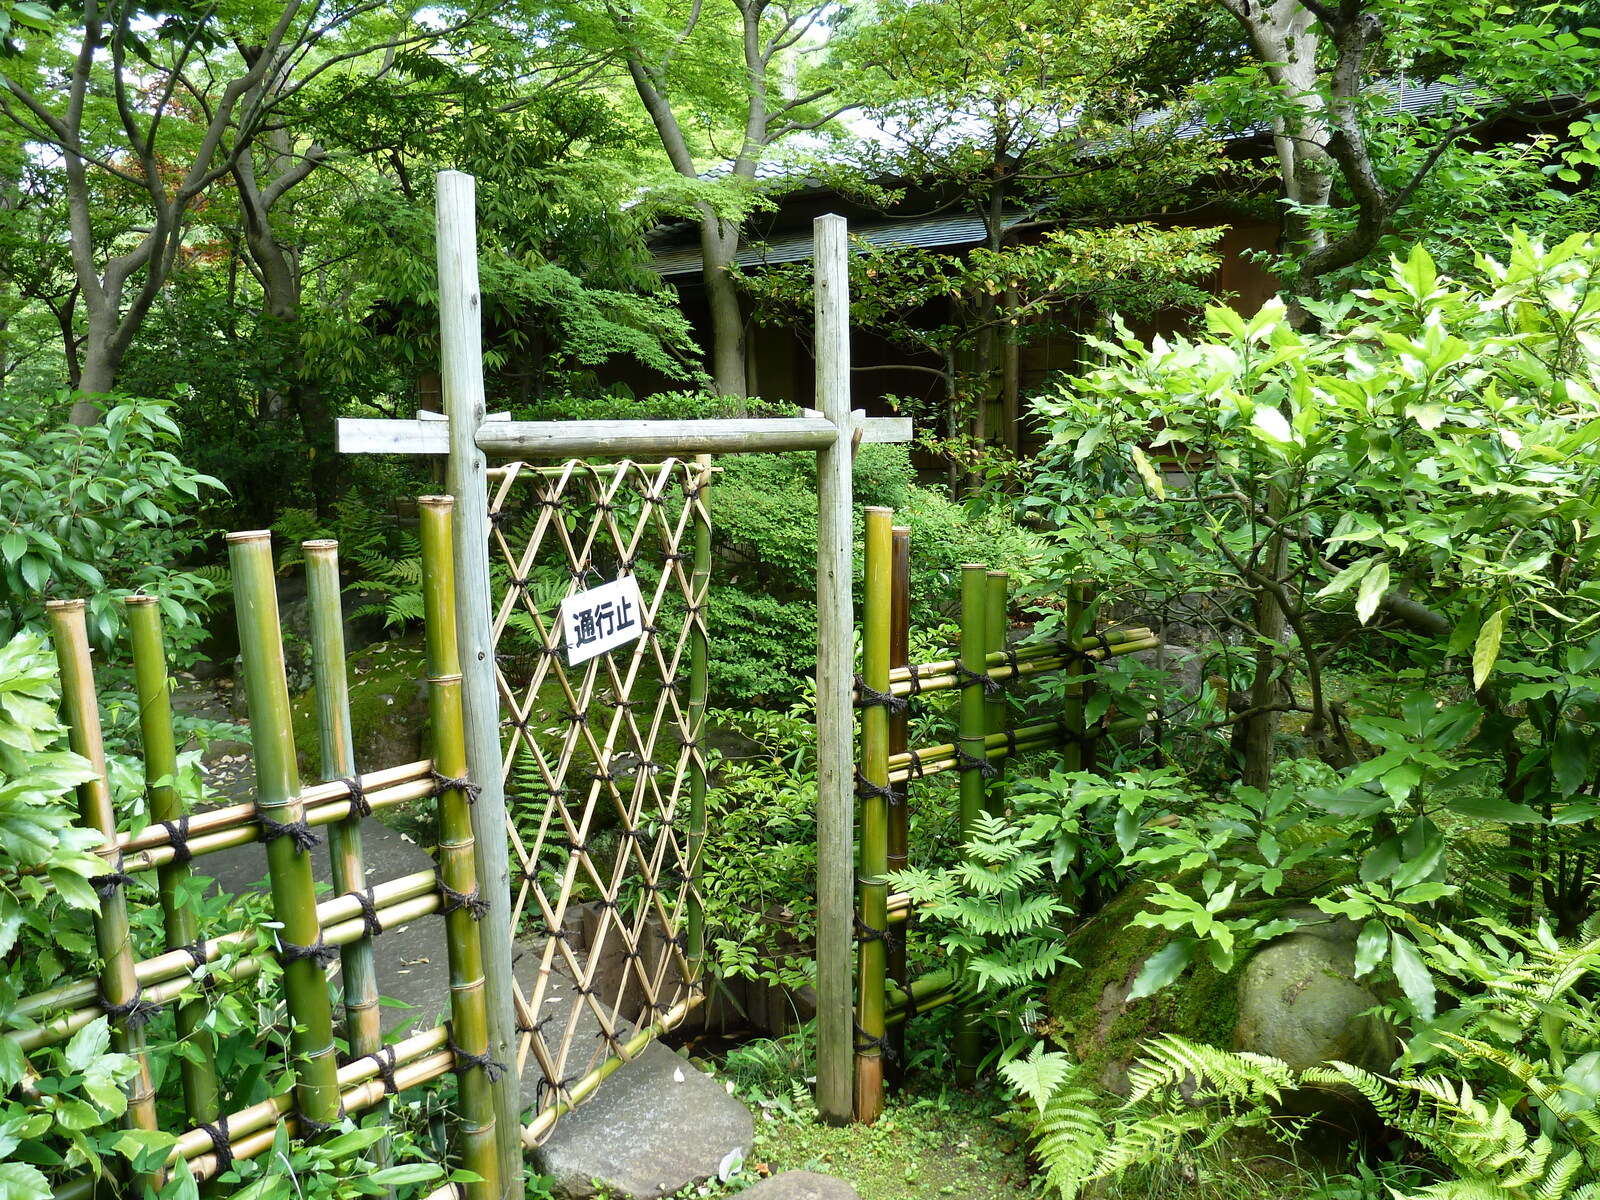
x=602 y=619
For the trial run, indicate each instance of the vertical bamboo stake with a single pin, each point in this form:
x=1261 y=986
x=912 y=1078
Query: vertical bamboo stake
x=699 y=688
x=118 y=986
x=475 y=1067
x=835 y=629
x=973 y=721
x=200 y=1092
x=873 y=887
x=899 y=804
x=461 y=370
x=1079 y=754
x=294 y=897
x=996 y=622
x=361 y=1013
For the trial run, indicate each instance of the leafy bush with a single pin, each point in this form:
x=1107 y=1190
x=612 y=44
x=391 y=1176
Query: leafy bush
x=106 y=510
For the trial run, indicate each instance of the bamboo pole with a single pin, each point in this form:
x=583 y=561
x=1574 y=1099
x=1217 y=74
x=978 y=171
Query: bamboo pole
x=899 y=838
x=201 y=1096
x=461 y=378
x=935 y=760
x=112 y=935
x=996 y=622
x=699 y=689
x=476 y=1069
x=835 y=629
x=970 y=748
x=1051 y=649
x=1030 y=660
x=294 y=897
x=357 y=968
x=872 y=885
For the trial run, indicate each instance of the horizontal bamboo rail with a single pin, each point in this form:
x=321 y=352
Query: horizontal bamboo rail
x=165 y=977
x=937 y=759
x=1050 y=649
x=923 y=680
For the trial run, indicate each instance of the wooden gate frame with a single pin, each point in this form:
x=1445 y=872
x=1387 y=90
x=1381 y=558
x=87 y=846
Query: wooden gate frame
x=468 y=435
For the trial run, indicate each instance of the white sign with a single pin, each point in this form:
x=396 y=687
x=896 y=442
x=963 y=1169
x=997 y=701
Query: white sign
x=602 y=619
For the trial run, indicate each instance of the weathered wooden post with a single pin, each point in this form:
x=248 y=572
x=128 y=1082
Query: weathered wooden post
x=461 y=368
x=835 y=638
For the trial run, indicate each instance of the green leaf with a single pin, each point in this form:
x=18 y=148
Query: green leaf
x=1371 y=943
x=1152 y=478
x=1569 y=757
x=1412 y=972
x=88 y=1044
x=1487 y=648
x=406 y=1173
x=1374 y=585
x=1163 y=967
x=18 y=1181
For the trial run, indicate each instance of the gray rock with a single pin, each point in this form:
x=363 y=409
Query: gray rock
x=1299 y=1000
x=800 y=1185
x=656 y=1126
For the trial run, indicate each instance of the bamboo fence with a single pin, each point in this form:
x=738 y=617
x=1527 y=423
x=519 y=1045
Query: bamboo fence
x=307 y=936
x=885 y=997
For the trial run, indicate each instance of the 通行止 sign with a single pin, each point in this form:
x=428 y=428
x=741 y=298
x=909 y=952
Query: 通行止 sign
x=602 y=619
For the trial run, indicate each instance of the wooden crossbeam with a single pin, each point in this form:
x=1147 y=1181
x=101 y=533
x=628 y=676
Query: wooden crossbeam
x=621 y=439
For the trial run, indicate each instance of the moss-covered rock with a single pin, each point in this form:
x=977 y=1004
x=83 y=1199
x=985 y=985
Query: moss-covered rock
x=388 y=708
x=1089 y=1006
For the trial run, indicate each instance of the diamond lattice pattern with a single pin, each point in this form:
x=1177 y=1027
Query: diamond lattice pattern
x=601 y=758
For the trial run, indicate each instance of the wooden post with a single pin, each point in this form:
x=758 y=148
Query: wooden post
x=899 y=802
x=476 y=1069
x=996 y=622
x=294 y=896
x=873 y=887
x=337 y=749
x=200 y=1094
x=835 y=629
x=971 y=751
x=461 y=364
x=112 y=934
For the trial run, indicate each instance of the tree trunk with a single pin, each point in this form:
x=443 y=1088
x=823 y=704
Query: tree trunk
x=1255 y=737
x=719 y=241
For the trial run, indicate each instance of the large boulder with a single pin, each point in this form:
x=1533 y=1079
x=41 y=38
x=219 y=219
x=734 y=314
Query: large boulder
x=388 y=708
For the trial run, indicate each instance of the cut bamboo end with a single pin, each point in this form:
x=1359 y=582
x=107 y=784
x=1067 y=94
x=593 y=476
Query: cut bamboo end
x=240 y=536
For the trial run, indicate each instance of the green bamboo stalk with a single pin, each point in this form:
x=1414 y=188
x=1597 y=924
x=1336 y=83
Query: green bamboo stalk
x=699 y=689
x=1080 y=754
x=971 y=726
x=112 y=936
x=201 y=1095
x=362 y=1017
x=457 y=866
x=899 y=837
x=872 y=885
x=996 y=622
x=1051 y=649
x=294 y=897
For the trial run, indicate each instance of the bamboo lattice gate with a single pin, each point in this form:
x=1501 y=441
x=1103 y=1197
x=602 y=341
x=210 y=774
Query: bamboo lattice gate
x=604 y=763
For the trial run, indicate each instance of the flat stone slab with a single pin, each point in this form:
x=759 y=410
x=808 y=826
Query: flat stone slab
x=657 y=1125
x=800 y=1185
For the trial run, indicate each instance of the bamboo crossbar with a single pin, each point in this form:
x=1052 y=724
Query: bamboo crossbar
x=167 y=988
x=1051 y=649
x=937 y=759
x=1024 y=667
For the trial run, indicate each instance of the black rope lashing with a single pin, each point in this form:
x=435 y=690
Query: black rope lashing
x=499 y=518
x=865 y=1042
x=359 y=804
x=866 y=933
x=311 y=1128
x=916 y=681
x=298 y=832
x=1011 y=742
x=982 y=679
x=1011 y=661
x=443 y=783
x=385 y=1061
x=477 y=907
x=221 y=1144
x=178 y=839
x=368 y=901
x=914 y=767
x=972 y=762
x=197 y=952
x=133 y=1013
x=867 y=697
x=318 y=952
x=866 y=788
x=105 y=886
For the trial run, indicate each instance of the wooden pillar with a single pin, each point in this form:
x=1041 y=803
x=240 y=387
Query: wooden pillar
x=835 y=628
x=461 y=363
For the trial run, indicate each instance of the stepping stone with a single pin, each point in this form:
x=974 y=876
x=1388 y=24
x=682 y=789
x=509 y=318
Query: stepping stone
x=657 y=1125
x=800 y=1185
